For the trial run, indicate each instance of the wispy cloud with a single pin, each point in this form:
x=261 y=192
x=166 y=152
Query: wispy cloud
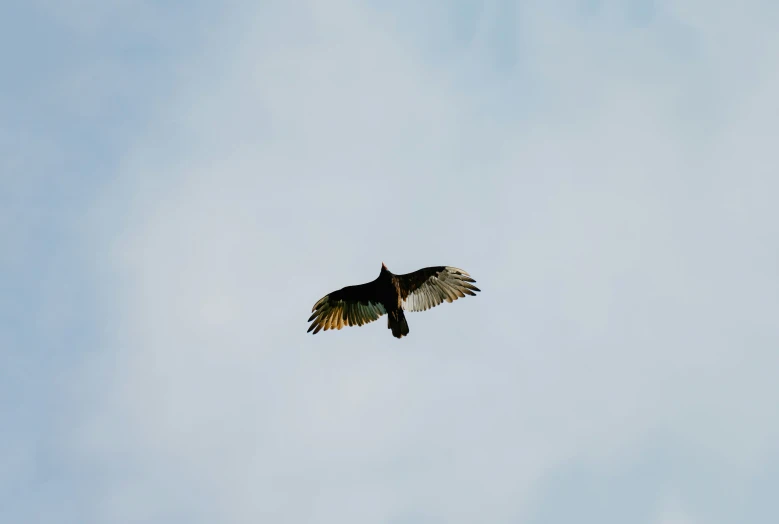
x=604 y=171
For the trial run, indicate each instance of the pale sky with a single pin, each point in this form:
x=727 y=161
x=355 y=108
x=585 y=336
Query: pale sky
x=180 y=182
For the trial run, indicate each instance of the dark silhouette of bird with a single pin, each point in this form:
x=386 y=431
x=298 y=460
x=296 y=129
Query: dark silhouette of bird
x=391 y=294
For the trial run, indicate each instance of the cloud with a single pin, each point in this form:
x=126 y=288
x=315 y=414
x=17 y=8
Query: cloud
x=604 y=180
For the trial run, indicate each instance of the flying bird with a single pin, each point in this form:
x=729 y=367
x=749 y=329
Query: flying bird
x=391 y=294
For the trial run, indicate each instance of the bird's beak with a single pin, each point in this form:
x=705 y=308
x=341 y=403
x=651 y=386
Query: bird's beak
x=383 y=266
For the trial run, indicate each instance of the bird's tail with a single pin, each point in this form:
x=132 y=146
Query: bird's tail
x=396 y=321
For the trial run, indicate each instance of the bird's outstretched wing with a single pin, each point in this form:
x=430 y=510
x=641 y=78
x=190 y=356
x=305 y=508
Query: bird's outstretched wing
x=430 y=286
x=350 y=306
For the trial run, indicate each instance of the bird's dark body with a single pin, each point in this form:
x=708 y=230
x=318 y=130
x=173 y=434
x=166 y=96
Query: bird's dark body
x=389 y=293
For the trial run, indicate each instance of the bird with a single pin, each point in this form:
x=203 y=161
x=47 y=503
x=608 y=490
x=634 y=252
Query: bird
x=391 y=294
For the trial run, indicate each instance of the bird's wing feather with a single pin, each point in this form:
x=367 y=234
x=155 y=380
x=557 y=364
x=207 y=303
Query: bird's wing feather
x=350 y=306
x=430 y=286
